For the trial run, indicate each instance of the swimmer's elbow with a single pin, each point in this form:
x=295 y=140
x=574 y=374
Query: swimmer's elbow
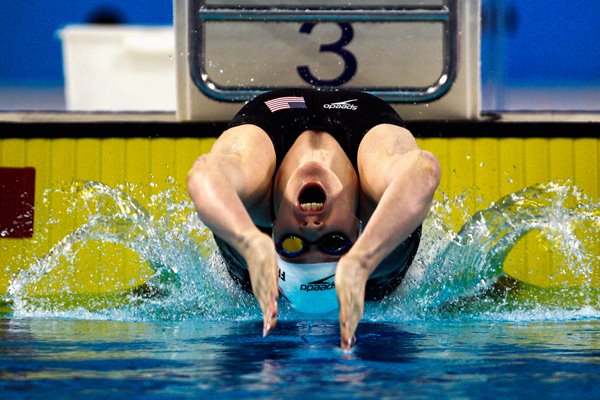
x=419 y=167
x=430 y=171
x=197 y=174
x=213 y=172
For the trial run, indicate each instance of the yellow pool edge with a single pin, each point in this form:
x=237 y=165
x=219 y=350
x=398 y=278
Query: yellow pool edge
x=483 y=168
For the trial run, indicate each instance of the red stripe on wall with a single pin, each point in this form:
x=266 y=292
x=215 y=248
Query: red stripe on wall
x=17 y=194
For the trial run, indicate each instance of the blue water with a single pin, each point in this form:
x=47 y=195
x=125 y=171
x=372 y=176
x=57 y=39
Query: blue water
x=456 y=328
x=58 y=358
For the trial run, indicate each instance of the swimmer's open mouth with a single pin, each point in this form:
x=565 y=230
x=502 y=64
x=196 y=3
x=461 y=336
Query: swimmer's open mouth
x=312 y=198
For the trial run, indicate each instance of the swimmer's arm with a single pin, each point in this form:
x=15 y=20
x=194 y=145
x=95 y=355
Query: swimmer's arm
x=232 y=183
x=399 y=179
x=231 y=187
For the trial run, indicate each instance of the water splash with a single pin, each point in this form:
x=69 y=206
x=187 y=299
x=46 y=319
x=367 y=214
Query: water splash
x=455 y=275
x=187 y=279
x=462 y=274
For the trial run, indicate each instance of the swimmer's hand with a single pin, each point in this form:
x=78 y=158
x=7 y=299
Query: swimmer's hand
x=350 y=282
x=262 y=266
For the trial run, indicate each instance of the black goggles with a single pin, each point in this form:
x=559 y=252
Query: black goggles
x=331 y=243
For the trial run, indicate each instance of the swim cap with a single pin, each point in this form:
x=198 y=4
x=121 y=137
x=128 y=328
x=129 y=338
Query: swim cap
x=309 y=288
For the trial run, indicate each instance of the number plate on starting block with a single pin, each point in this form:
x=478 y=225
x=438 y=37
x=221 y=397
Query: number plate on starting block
x=407 y=55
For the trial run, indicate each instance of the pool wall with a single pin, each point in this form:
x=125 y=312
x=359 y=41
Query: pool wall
x=481 y=160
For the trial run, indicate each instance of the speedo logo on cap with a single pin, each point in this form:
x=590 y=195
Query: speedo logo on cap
x=321 y=284
x=342 y=105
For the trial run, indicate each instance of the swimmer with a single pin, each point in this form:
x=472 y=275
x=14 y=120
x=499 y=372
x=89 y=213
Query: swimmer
x=317 y=196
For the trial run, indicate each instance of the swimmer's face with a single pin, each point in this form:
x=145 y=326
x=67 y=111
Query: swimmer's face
x=313 y=203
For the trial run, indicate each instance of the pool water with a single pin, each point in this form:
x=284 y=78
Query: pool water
x=453 y=329
x=67 y=358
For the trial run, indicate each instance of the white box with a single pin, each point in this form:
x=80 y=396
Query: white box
x=119 y=68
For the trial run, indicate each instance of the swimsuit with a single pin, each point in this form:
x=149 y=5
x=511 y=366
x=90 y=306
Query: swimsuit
x=347 y=116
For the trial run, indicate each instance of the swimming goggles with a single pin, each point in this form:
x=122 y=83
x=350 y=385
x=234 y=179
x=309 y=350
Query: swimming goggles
x=331 y=243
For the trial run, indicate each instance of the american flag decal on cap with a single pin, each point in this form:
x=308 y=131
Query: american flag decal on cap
x=285 y=103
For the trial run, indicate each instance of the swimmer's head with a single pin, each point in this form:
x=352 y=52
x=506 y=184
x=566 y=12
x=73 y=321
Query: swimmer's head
x=315 y=224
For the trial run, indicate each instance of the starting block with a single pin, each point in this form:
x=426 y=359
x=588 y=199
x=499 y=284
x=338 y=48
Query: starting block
x=421 y=56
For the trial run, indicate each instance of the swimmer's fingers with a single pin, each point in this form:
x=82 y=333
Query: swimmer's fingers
x=267 y=295
x=351 y=311
x=270 y=316
x=350 y=282
x=350 y=315
x=264 y=287
x=262 y=266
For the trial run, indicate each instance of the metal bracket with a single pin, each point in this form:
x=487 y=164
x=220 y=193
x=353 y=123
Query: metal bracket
x=445 y=14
